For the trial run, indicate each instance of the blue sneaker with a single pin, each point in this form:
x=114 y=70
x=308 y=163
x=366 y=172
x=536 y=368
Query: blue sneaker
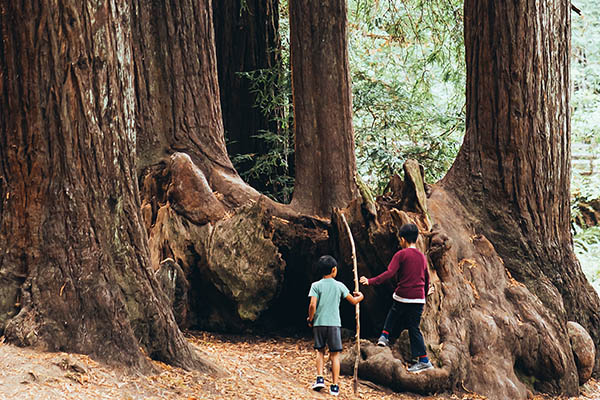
x=383 y=341
x=420 y=366
x=334 y=390
x=319 y=384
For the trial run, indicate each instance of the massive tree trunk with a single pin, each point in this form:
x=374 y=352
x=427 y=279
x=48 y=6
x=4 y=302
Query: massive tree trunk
x=176 y=83
x=508 y=286
x=325 y=161
x=513 y=170
x=485 y=331
x=74 y=264
x=196 y=206
x=194 y=203
x=247 y=39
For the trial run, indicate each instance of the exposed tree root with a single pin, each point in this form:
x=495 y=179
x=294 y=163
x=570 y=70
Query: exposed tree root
x=485 y=331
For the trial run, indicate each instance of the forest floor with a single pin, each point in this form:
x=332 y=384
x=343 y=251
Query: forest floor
x=265 y=368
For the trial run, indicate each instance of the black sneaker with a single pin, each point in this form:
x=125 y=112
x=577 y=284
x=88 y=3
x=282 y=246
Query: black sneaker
x=334 y=390
x=319 y=384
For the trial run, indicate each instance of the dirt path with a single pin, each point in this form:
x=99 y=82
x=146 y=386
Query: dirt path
x=258 y=368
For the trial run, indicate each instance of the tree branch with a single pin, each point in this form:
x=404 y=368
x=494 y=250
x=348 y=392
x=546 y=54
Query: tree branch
x=357 y=306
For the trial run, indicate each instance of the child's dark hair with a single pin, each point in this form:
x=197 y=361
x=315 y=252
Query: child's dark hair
x=410 y=232
x=325 y=265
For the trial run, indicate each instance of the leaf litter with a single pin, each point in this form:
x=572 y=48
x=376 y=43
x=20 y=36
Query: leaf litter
x=265 y=368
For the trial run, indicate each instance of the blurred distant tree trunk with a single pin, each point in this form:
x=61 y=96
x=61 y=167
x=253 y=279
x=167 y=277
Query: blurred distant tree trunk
x=74 y=265
x=325 y=161
x=247 y=39
x=513 y=169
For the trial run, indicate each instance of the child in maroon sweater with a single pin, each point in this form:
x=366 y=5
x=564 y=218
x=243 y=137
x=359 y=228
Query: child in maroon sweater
x=409 y=266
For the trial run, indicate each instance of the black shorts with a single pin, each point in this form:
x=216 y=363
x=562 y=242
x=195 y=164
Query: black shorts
x=328 y=335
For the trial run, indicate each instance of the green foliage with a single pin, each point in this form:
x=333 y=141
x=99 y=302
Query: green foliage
x=272 y=90
x=585 y=71
x=585 y=123
x=587 y=248
x=407 y=65
x=586 y=239
x=244 y=7
x=585 y=187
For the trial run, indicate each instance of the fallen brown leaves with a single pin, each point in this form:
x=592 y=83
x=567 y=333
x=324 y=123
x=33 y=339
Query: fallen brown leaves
x=274 y=368
x=258 y=368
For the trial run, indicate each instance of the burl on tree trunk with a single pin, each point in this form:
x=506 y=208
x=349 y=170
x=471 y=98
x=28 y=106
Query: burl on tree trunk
x=232 y=258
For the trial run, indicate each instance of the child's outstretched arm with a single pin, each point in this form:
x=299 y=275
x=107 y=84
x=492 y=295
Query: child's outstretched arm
x=355 y=298
x=312 y=308
x=391 y=271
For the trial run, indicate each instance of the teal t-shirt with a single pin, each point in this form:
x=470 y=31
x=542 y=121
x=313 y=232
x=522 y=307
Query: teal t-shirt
x=329 y=293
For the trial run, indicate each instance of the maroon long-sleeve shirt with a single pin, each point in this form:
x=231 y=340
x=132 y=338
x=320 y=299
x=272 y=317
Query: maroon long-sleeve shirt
x=410 y=267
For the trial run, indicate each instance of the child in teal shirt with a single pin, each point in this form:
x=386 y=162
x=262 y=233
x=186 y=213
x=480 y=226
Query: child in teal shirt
x=324 y=316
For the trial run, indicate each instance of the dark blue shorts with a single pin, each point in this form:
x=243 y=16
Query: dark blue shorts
x=328 y=335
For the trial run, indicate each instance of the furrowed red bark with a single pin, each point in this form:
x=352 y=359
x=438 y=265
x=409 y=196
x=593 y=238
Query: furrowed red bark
x=325 y=161
x=75 y=262
x=513 y=170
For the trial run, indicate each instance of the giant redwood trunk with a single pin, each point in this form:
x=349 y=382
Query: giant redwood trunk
x=176 y=83
x=239 y=250
x=197 y=210
x=513 y=170
x=325 y=161
x=508 y=290
x=74 y=258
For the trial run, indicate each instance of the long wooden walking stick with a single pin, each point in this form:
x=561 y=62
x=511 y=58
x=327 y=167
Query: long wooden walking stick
x=357 y=306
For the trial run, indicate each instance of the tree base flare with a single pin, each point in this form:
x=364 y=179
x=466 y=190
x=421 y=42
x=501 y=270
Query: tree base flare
x=485 y=332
